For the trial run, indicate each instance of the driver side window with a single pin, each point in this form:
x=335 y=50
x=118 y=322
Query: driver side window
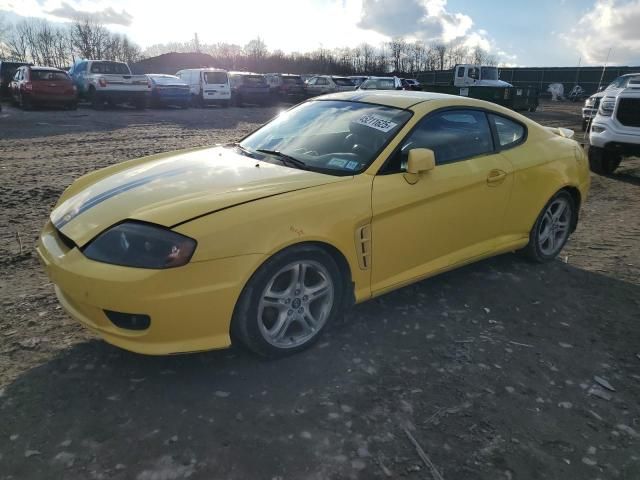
x=453 y=135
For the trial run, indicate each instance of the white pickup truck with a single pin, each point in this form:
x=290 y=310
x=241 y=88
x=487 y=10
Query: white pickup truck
x=101 y=81
x=615 y=130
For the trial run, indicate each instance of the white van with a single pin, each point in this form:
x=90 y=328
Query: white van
x=207 y=85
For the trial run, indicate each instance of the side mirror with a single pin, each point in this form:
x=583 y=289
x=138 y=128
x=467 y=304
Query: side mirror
x=420 y=160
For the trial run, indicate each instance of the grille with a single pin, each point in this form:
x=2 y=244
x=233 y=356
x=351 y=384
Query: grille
x=629 y=112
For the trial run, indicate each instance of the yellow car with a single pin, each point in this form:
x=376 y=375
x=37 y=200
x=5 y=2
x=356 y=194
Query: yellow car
x=338 y=200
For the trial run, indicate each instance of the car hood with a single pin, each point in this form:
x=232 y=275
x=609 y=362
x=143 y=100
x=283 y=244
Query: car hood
x=177 y=188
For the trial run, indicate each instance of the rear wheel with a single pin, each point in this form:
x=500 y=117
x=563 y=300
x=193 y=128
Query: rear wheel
x=25 y=103
x=97 y=102
x=289 y=301
x=603 y=161
x=552 y=228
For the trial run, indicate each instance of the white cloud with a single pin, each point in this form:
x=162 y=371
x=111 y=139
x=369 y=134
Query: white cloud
x=609 y=24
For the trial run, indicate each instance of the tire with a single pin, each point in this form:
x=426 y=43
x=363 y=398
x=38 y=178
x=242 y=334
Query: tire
x=25 y=103
x=72 y=106
x=602 y=161
x=225 y=103
x=258 y=316
x=97 y=103
x=552 y=228
x=140 y=104
x=533 y=108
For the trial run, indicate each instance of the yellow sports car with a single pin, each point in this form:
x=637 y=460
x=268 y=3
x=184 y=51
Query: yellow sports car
x=335 y=201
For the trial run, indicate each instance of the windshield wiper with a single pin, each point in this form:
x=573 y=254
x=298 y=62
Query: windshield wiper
x=284 y=158
x=244 y=150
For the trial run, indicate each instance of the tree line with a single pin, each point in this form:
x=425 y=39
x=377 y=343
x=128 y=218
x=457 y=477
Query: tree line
x=60 y=45
x=397 y=55
x=44 y=43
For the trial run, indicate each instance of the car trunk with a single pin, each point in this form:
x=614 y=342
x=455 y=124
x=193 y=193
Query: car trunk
x=51 y=84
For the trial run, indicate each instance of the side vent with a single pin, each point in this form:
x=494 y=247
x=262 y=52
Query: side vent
x=363 y=246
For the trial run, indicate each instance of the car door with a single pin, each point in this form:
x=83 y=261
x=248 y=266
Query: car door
x=452 y=214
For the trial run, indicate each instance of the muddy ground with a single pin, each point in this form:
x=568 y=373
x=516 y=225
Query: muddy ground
x=500 y=370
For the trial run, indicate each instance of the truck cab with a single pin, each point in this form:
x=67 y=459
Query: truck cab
x=469 y=75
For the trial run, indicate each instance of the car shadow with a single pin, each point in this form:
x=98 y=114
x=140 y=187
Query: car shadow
x=450 y=344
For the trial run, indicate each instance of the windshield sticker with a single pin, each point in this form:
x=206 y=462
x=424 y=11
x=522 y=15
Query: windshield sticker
x=351 y=165
x=337 y=162
x=378 y=123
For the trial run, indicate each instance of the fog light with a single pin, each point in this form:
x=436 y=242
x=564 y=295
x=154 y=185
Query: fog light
x=129 y=321
x=597 y=129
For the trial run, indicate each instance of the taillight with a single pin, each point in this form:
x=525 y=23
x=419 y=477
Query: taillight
x=102 y=82
x=28 y=86
x=75 y=89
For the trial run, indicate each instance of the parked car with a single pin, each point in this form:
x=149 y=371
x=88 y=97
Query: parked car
x=247 y=87
x=411 y=84
x=106 y=81
x=169 y=90
x=208 y=86
x=592 y=103
x=357 y=80
x=333 y=202
x=285 y=87
x=322 y=84
x=615 y=130
x=381 y=83
x=35 y=85
x=7 y=72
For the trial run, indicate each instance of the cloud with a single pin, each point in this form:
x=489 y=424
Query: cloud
x=107 y=16
x=427 y=20
x=608 y=24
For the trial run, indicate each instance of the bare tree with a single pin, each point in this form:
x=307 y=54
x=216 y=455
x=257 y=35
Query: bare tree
x=440 y=51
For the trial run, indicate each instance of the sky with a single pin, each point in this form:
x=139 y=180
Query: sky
x=517 y=32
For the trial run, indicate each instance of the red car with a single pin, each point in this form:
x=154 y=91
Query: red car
x=32 y=85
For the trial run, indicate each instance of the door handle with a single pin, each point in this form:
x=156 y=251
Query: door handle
x=496 y=177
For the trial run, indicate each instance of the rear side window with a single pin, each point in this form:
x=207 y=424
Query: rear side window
x=215 y=77
x=48 y=75
x=510 y=133
x=453 y=135
x=343 y=82
x=386 y=84
x=110 y=68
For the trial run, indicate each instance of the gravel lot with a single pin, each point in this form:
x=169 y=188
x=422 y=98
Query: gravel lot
x=500 y=370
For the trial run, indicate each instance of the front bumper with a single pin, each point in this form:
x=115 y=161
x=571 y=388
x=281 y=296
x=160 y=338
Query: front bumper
x=190 y=307
x=609 y=138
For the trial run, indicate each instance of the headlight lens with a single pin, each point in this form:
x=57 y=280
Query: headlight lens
x=141 y=245
x=607 y=106
x=589 y=102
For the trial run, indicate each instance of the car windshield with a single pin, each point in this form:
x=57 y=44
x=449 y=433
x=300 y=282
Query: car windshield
x=48 y=75
x=489 y=73
x=215 y=77
x=331 y=136
x=344 y=82
x=253 y=80
x=115 y=68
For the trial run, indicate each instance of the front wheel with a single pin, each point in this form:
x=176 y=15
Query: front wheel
x=552 y=228
x=603 y=161
x=289 y=301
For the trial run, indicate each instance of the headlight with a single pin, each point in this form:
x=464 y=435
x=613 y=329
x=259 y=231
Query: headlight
x=141 y=245
x=607 y=106
x=589 y=102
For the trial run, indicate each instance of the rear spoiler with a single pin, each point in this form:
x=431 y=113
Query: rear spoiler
x=563 y=132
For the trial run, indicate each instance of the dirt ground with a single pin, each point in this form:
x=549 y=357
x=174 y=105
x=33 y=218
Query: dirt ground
x=500 y=370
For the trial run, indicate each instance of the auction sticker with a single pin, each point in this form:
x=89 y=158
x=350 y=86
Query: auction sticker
x=337 y=162
x=378 y=123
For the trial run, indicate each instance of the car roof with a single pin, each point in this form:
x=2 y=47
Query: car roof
x=389 y=98
x=38 y=67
